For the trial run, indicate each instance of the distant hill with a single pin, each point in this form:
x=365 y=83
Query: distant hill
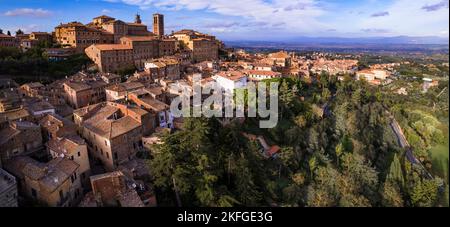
x=364 y=40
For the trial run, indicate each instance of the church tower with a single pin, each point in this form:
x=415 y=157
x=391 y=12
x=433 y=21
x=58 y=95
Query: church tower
x=158 y=24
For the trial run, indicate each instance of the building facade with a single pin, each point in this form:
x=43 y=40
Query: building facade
x=8 y=190
x=158 y=24
x=83 y=93
x=113 y=131
x=202 y=46
x=8 y=41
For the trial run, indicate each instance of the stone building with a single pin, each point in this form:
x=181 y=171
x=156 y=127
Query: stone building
x=31 y=89
x=120 y=91
x=133 y=51
x=144 y=48
x=19 y=138
x=9 y=99
x=74 y=148
x=258 y=75
x=111 y=57
x=112 y=190
x=111 y=78
x=161 y=116
x=203 y=47
x=8 y=41
x=20 y=114
x=79 y=36
x=42 y=37
x=281 y=59
x=84 y=92
x=26 y=44
x=113 y=131
x=8 y=189
x=55 y=184
x=165 y=68
x=167 y=47
x=54 y=126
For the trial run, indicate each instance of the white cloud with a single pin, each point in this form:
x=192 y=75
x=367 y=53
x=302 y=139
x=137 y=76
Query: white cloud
x=313 y=17
x=27 y=29
x=407 y=17
x=28 y=12
x=275 y=12
x=106 y=11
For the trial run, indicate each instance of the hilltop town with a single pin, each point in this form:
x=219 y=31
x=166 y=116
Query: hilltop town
x=86 y=139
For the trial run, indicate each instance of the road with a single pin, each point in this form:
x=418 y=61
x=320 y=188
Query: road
x=403 y=142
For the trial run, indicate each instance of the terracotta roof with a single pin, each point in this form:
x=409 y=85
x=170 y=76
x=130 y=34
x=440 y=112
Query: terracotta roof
x=155 y=90
x=71 y=24
x=33 y=85
x=127 y=86
x=106 y=47
x=85 y=85
x=184 y=32
x=281 y=54
x=13 y=115
x=137 y=24
x=231 y=75
x=110 y=75
x=5 y=36
x=102 y=123
x=263 y=73
x=57 y=171
x=40 y=33
x=16 y=164
x=273 y=150
x=7 y=133
x=139 y=38
x=155 y=105
x=57 y=125
x=103 y=17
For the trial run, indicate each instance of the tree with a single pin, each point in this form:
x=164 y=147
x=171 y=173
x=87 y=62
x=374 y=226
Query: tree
x=9 y=33
x=248 y=193
x=19 y=32
x=301 y=121
x=289 y=158
x=424 y=193
x=391 y=196
x=395 y=174
x=286 y=96
x=1 y=31
x=326 y=94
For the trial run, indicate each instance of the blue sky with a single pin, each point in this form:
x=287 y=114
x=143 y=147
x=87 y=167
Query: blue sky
x=245 y=19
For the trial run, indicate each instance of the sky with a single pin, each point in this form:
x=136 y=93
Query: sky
x=245 y=19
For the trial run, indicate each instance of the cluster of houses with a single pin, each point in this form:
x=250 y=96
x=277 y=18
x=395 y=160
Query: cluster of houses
x=75 y=142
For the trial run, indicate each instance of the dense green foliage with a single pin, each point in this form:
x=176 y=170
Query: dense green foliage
x=33 y=65
x=338 y=149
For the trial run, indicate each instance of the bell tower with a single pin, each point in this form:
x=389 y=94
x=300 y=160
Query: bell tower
x=158 y=24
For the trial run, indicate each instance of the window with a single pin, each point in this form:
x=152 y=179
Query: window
x=61 y=195
x=107 y=155
x=79 y=154
x=83 y=175
x=115 y=155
